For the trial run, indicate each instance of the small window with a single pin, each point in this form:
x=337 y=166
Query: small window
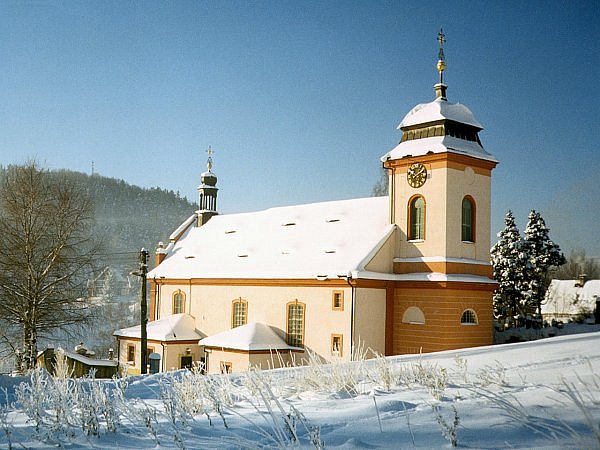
x=468 y=220
x=468 y=317
x=178 y=302
x=131 y=354
x=185 y=362
x=295 y=323
x=225 y=367
x=337 y=342
x=337 y=301
x=239 y=315
x=416 y=218
x=413 y=315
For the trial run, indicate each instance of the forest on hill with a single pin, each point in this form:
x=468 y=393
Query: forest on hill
x=126 y=218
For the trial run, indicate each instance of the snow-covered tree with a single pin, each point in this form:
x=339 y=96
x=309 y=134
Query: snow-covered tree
x=543 y=254
x=509 y=262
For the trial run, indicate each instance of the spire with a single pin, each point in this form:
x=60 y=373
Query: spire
x=440 y=88
x=207 y=192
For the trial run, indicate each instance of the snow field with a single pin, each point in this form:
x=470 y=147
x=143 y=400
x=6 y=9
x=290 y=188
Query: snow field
x=543 y=394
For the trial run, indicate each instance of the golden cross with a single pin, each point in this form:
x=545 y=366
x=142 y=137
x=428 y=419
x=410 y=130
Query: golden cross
x=441 y=39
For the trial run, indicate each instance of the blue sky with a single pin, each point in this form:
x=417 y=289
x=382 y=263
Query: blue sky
x=300 y=99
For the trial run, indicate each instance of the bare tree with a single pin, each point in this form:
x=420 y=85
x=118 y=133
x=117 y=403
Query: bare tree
x=578 y=264
x=47 y=254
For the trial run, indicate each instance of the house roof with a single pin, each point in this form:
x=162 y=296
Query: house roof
x=569 y=298
x=178 y=327
x=253 y=336
x=318 y=240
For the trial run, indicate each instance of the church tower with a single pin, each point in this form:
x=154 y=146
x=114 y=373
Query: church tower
x=207 y=192
x=440 y=199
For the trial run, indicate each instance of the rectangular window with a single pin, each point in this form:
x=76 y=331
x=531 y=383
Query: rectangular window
x=225 y=367
x=337 y=341
x=338 y=301
x=131 y=354
x=295 y=325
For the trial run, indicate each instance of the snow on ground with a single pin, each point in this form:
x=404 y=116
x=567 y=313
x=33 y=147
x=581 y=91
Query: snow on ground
x=541 y=394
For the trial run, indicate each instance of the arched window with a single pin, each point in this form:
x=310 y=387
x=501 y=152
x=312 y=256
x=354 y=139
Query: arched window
x=468 y=317
x=239 y=314
x=468 y=219
x=295 y=323
x=178 y=302
x=416 y=218
x=413 y=315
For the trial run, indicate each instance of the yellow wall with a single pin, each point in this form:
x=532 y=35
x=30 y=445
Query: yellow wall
x=240 y=361
x=369 y=324
x=212 y=308
x=170 y=359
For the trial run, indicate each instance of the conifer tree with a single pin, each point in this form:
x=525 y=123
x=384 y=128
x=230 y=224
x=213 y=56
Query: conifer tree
x=543 y=254
x=509 y=264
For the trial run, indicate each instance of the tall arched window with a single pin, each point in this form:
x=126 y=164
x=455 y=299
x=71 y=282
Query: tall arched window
x=416 y=218
x=295 y=323
x=239 y=315
x=468 y=219
x=178 y=302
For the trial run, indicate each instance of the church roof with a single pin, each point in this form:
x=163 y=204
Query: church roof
x=439 y=109
x=438 y=144
x=253 y=336
x=178 y=327
x=314 y=241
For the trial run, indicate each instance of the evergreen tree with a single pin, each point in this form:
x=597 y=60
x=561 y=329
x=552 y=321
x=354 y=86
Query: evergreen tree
x=543 y=254
x=509 y=264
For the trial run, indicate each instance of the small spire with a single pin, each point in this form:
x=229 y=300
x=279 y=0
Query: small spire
x=440 y=88
x=209 y=161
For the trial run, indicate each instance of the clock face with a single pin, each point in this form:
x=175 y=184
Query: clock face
x=416 y=175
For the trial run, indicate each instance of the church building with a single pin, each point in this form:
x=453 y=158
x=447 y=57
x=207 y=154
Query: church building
x=405 y=273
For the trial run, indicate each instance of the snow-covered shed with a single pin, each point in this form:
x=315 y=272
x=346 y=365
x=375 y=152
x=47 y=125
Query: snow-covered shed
x=252 y=345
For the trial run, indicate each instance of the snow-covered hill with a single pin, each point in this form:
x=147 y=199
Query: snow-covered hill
x=542 y=394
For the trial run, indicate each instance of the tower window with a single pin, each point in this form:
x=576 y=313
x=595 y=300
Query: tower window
x=416 y=218
x=295 y=324
x=468 y=317
x=239 y=314
x=468 y=220
x=178 y=302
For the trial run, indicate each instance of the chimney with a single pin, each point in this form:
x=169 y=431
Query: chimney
x=582 y=279
x=160 y=253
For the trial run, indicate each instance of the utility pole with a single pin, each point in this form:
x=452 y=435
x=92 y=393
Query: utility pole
x=143 y=311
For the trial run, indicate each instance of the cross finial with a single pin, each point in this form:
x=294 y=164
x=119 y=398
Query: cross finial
x=209 y=162
x=441 y=64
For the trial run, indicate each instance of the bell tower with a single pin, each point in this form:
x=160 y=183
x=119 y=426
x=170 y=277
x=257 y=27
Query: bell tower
x=440 y=187
x=440 y=201
x=207 y=192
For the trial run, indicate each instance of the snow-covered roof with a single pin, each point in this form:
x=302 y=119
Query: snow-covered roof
x=253 y=336
x=438 y=144
x=439 y=110
x=178 y=327
x=91 y=361
x=318 y=240
x=567 y=297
